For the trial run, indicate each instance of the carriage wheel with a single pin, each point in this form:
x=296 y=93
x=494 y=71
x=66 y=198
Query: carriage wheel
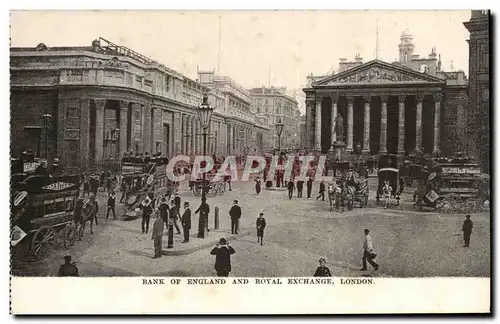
x=42 y=240
x=197 y=190
x=70 y=235
x=439 y=204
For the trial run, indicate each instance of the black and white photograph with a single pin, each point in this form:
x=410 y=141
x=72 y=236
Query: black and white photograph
x=205 y=145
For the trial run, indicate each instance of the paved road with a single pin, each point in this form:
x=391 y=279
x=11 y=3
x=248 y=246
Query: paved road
x=299 y=232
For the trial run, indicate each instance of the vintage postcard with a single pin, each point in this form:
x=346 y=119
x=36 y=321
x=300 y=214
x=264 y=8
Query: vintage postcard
x=281 y=162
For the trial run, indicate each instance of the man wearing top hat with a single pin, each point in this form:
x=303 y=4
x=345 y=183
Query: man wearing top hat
x=222 y=252
x=68 y=269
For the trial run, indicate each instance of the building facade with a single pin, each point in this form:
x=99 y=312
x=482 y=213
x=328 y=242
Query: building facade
x=479 y=86
x=410 y=106
x=272 y=104
x=88 y=105
x=244 y=135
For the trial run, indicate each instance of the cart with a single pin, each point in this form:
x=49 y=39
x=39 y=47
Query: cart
x=42 y=214
x=392 y=176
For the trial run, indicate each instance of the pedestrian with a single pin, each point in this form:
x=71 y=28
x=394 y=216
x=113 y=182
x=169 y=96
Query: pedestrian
x=68 y=269
x=204 y=210
x=257 y=186
x=86 y=186
x=95 y=205
x=157 y=236
x=111 y=204
x=222 y=252
x=321 y=191
x=368 y=253
x=300 y=187
x=467 y=229
x=291 y=188
x=235 y=214
x=146 y=214
x=322 y=270
x=386 y=193
x=186 y=221
x=109 y=184
x=170 y=226
x=164 y=210
x=123 y=189
x=261 y=225
x=309 y=186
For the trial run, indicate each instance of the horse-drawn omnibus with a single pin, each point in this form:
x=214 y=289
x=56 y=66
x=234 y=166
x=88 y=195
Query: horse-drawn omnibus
x=42 y=209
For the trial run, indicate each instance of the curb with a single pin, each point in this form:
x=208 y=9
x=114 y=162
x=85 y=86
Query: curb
x=277 y=189
x=210 y=241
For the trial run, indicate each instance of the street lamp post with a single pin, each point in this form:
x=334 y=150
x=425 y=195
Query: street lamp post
x=46 y=119
x=279 y=129
x=205 y=113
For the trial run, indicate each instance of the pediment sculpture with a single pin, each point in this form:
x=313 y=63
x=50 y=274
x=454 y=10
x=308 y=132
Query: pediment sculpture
x=376 y=75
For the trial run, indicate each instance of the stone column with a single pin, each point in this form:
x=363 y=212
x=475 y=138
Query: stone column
x=401 y=125
x=366 y=125
x=437 y=122
x=335 y=99
x=383 y=124
x=99 y=129
x=418 y=124
x=350 y=124
x=317 y=129
x=146 y=133
x=123 y=126
x=183 y=133
x=188 y=135
x=309 y=123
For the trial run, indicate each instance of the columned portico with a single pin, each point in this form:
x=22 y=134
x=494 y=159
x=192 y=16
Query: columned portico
x=392 y=105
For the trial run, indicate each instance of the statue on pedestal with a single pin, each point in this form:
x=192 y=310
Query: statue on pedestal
x=339 y=127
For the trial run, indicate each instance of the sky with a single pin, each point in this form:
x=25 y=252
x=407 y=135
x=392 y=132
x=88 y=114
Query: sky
x=256 y=47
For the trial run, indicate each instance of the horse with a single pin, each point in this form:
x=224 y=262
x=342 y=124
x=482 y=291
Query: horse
x=347 y=195
x=334 y=196
x=89 y=214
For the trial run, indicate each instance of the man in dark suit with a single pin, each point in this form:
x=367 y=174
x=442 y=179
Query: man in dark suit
x=111 y=204
x=291 y=187
x=222 y=252
x=235 y=214
x=204 y=210
x=186 y=221
x=467 y=229
x=261 y=225
x=300 y=186
x=309 y=187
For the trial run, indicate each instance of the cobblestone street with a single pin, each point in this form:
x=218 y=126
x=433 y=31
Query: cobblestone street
x=299 y=232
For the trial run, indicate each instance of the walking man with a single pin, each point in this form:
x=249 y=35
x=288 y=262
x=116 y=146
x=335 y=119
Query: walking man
x=158 y=228
x=164 y=210
x=222 y=252
x=291 y=188
x=186 y=221
x=309 y=186
x=235 y=214
x=467 y=229
x=111 y=205
x=368 y=254
x=257 y=186
x=261 y=225
x=300 y=186
x=321 y=191
x=170 y=228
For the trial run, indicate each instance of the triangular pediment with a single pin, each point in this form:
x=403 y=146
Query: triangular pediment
x=377 y=72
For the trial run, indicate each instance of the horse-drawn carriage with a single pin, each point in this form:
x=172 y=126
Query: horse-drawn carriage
x=389 y=186
x=216 y=188
x=348 y=190
x=42 y=214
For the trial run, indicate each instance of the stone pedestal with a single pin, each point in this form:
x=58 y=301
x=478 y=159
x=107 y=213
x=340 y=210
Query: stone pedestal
x=338 y=149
